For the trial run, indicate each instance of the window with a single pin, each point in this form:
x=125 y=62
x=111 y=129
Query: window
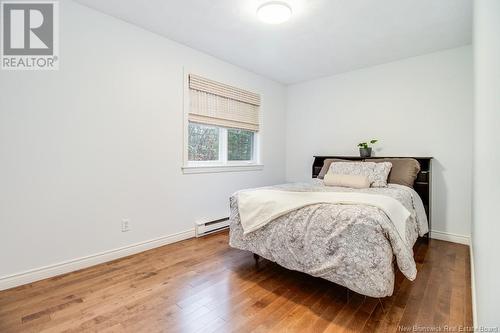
x=239 y=145
x=203 y=143
x=222 y=126
x=219 y=145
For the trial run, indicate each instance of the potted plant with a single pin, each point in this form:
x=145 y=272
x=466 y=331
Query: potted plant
x=365 y=150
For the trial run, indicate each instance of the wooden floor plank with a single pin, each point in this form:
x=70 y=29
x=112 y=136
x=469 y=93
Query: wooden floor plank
x=203 y=285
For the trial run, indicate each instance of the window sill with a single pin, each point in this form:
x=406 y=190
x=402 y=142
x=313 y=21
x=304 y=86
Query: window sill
x=221 y=168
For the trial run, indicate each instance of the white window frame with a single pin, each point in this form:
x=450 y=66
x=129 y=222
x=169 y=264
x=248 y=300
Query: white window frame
x=221 y=165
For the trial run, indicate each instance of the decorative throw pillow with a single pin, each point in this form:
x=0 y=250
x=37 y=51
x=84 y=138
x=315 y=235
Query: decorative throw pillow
x=404 y=171
x=352 y=181
x=326 y=166
x=376 y=172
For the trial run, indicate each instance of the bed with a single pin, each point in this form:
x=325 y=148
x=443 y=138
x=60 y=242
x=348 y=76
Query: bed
x=353 y=245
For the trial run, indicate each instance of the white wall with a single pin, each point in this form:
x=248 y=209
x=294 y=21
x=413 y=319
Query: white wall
x=420 y=106
x=101 y=140
x=486 y=179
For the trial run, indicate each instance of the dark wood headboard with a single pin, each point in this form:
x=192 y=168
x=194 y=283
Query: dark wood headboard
x=422 y=185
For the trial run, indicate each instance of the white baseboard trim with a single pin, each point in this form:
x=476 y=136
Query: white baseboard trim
x=473 y=286
x=454 y=238
x=45 y=272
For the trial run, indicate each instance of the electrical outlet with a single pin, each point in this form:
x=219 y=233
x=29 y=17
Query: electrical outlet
x=125 y=225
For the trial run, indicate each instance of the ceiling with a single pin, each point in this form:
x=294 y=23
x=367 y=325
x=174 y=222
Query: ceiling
x=323 y=37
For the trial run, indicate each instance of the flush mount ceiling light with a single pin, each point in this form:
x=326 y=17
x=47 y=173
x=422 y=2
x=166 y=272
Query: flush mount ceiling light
x=274 y=12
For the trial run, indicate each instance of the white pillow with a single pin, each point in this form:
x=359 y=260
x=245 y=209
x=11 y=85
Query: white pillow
x=352 y=181
x=376 y=172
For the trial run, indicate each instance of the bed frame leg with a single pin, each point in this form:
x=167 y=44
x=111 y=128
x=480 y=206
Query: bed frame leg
x=256 y=258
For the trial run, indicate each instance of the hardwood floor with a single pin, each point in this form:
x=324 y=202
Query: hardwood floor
x=203 y=285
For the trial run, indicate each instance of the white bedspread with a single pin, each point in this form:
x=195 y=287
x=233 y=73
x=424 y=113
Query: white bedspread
x=261 y=206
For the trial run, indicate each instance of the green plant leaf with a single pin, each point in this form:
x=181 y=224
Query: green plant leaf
x=363 y=145
x=373 y=141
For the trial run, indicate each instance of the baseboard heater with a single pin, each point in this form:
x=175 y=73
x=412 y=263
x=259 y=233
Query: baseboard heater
x=206 y=227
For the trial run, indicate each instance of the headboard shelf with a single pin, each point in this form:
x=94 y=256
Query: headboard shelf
x=422 y=185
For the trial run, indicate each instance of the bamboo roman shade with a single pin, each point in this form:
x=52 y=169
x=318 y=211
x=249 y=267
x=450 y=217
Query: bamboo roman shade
x=219 y=104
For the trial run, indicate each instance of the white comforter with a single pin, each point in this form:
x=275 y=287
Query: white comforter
x=259 y=207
